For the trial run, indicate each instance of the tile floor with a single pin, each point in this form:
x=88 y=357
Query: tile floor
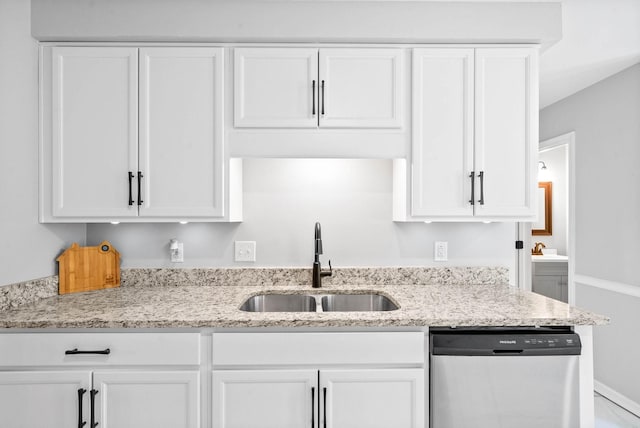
x=610 y=415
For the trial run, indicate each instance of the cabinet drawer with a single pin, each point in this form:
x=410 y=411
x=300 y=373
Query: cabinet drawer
x=50 y=349
x=551 y=268
x=269 y=349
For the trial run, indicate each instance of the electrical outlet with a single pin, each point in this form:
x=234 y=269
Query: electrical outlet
x=440 y=251
x=177 y=251
x=245 y=251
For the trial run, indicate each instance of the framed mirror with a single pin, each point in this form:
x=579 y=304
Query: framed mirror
x=545 y=211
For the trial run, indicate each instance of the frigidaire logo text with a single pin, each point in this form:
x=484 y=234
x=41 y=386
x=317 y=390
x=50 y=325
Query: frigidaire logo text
x=508 y=342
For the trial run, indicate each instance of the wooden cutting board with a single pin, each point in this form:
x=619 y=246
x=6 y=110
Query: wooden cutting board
x=88 y=268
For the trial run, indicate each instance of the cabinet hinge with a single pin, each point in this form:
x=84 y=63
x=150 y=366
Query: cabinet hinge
x=519 y=245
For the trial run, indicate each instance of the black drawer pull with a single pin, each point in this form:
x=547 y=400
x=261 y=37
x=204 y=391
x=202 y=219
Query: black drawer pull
x=324 y=410
x=322 y=107
x=76 y=352
x=481 y=175
x=140 y=201
x=472 y=176
x=92 y=395
x=81 y=423
x=313 y=98
x=130 y=188
x=313 y=400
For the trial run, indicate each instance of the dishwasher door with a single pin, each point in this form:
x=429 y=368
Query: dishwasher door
x=505 y=380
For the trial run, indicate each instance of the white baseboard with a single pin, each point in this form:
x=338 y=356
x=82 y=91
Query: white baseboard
x=621 y=400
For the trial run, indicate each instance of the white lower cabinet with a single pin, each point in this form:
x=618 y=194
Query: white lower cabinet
x=317 y=379
x=147 y=399
x=110 y=380
x=43 y=398
x=155 y=380
x=375 y=398
x=265 y=398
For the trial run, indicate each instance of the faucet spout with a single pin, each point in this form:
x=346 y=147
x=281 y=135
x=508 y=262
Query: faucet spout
x=318 y=273
x=318 y=241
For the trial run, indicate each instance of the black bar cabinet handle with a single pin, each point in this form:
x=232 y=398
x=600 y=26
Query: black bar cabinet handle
x=81 y=423
x=473 y=187
x=140 y=201
x=75 y=351
x=313 y=399
x=324 y=410
x=313 y=97
x=93 y=394
x=481 y=175
x=322 y=108
x=130 y=188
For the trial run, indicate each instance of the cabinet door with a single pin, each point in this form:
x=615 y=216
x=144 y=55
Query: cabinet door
x=442 y=144
x=43 y=399
x=361 y=88
x=181 y=132
x=275 y=87
x=506 y=131
x=372 y=398
x=265 y=399
x=95 y=130
x=136 y=399
x=548 y=285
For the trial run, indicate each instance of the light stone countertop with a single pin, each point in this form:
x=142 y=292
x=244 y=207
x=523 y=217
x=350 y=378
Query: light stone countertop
x=183 y=306
x=549 y=258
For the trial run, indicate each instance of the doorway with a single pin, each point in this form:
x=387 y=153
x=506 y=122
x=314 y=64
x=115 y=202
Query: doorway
x=556 y=166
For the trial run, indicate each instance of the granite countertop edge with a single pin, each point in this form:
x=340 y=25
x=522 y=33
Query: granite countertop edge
x=201 y=307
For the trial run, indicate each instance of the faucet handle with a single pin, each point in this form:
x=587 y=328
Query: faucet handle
x=329 y=272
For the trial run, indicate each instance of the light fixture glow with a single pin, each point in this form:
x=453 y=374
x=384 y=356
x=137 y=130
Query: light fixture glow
x=115 y=222
x=184 y=222
x=486 y=222
x=427 y=221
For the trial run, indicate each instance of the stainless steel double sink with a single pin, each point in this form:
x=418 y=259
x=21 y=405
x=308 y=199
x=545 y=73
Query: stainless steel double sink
x=329 y=302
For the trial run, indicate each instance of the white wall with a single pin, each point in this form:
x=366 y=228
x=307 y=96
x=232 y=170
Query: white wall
x=606 y=119
x=283 y=198
x=28 y=249
x=556 y=173
x=293 y=21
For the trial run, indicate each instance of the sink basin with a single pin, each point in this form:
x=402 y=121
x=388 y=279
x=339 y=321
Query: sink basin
x=357 y=303
x=279 y=303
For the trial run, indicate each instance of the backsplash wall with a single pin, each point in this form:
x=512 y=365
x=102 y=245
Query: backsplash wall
x=283 y=198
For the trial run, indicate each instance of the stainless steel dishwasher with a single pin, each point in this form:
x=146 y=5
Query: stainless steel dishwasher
x=504 y=378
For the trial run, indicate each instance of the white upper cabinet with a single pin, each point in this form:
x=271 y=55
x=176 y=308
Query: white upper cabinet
x=474 y=137
x=275 y=87
x=94 y=136
x=360 y=88
x=310 y=88
x=506 y=131
x=442 y=144
x=181 y=139
x=104 y=167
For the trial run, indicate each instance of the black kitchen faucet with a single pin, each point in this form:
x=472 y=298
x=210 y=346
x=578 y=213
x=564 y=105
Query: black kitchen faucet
x=318 y=273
